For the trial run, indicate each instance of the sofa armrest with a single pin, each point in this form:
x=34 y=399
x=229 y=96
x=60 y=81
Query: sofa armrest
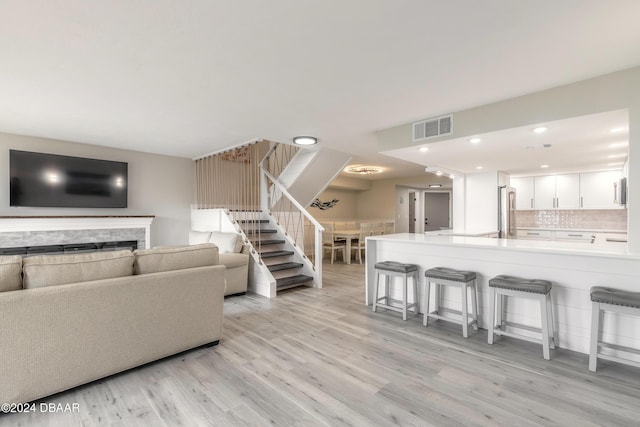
x=246 y=249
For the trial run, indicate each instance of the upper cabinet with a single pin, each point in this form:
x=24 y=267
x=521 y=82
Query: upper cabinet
x=590 y=190
x=557 y=191
x=524 y=192
x=598 y=190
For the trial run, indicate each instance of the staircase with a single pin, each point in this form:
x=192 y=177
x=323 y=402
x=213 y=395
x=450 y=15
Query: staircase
x=276 y=253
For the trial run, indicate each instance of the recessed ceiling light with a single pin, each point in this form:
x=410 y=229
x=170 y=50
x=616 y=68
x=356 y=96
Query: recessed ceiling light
x=424 y=149
x=435 y=185
x=305 y=140
x=540 y=129
x=439 y=173
x=478 y=167
x=452 y=176
x=364 y=170
x=617 y=130
x=544 y=166
x=475 y=140
x=616 y=156
x=619 y=144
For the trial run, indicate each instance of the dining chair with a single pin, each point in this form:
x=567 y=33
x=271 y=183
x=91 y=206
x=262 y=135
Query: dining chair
x=329 y=243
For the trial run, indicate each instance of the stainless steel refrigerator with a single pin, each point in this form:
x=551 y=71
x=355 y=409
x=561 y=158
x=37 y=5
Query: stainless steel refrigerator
x=506 y=212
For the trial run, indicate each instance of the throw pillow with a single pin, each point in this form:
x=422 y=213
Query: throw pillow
x=199 y=237
x=227 y=242
x=10 y=273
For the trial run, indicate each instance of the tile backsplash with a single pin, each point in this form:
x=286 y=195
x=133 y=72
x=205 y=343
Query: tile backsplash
x=589 y=219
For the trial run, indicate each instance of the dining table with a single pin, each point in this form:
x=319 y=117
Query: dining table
x=347 y=235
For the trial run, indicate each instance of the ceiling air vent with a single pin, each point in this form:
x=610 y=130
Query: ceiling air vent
x=432 y=128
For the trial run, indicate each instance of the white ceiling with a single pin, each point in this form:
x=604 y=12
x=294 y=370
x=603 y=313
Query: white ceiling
x=190 y=77
x=577 y=144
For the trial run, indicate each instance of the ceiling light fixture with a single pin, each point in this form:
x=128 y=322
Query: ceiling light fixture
x=435 y=185
x=439 y=173
x=544 y=166
x=540 y=129
x=364 y=170
x=452 y=176
x=478 y=167
x=424 y=149
x=305 y=140
x=475 y=140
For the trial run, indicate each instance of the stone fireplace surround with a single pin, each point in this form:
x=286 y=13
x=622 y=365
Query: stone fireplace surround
x=21 y=231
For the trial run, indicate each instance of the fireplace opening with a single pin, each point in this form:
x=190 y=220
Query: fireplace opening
x=72 y=248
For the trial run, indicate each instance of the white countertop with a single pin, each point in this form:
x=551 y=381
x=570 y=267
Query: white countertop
x=459 y=232
x=590 y=230
x=609 y=249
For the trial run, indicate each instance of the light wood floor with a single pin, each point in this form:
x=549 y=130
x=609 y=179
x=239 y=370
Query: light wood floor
x=320 y=357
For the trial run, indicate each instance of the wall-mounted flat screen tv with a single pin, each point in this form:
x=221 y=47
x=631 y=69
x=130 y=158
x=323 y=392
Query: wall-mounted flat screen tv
x=50 y=180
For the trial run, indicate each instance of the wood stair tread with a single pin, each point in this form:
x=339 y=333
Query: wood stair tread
x=286 y=282
x=284 y=266
x=272 y=254
x=268 y=242
x=257 y=221
x=260 y=231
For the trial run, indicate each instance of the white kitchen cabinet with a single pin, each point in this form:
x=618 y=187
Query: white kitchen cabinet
x=597 y=190
x=544 y=192
x=568 y=191
x=524 y=192
x=557 y=191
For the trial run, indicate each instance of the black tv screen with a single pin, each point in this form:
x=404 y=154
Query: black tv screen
x=50 y=180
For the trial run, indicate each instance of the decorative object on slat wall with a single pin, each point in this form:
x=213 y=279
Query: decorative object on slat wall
x=323 y=206
x=240 y=154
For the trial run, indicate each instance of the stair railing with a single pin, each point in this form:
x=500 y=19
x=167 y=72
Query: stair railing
x=302 y=229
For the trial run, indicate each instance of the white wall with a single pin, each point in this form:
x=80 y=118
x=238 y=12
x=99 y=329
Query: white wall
x=158 y=185
x=345 y=209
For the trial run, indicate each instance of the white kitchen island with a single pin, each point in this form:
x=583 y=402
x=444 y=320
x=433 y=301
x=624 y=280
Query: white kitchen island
x=573 y=267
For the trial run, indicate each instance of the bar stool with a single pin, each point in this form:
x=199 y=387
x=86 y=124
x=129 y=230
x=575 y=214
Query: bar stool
x=617 y=301
x=512 y=286
x=396 y=269
x=463 y=280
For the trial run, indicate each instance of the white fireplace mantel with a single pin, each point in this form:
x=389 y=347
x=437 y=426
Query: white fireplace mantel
x=56 y=223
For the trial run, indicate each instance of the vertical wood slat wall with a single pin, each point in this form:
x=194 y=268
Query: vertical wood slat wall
x=231 y=179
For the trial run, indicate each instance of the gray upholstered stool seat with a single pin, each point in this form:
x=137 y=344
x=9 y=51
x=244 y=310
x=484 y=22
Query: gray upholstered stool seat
x=397 y=267
x=511 y=286
x=615 y=296
x=534 y=286
x=391 y=269
x=616 y=301
x=450 y=274
x=460 y=279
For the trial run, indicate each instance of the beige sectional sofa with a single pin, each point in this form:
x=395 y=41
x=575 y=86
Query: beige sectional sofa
x=66 y=320
x=233 y=255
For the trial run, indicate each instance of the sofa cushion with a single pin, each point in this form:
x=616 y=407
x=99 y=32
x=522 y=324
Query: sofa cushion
x=10 y=273
x=234 y=260
x=227 y=242
x=51 y=270
x=199 y=237
x=177 y=258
